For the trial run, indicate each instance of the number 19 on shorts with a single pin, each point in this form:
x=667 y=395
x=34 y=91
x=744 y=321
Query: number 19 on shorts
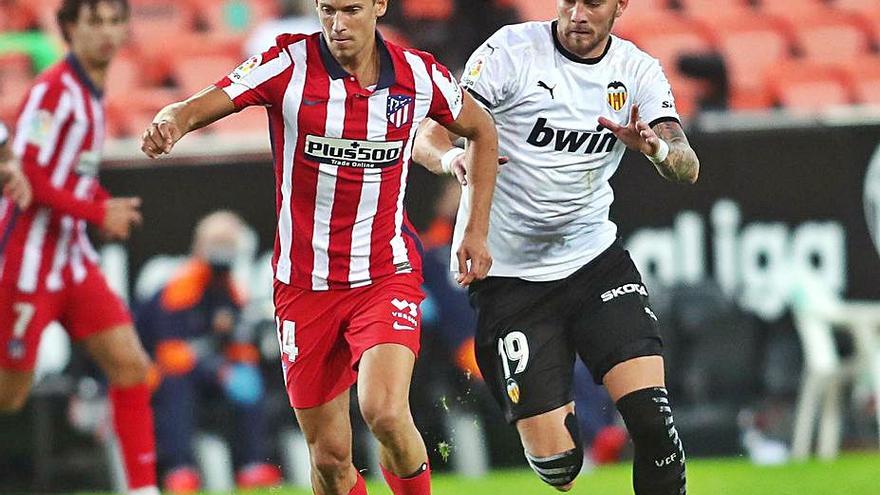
x=514 y=348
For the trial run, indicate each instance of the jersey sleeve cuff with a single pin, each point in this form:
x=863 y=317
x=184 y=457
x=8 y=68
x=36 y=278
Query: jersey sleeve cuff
x=661 y=120
x=480 y=99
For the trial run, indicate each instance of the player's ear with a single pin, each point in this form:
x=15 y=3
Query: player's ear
x=381 y=7
x=621 y=6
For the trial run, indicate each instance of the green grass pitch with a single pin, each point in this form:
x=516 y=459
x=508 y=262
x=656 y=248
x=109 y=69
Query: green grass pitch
x=852 y=474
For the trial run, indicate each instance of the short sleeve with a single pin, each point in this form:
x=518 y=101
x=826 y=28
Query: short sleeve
x=655 y=99
x=488 y=73
x=47 y=108
x=447 y=100
x=258 y=80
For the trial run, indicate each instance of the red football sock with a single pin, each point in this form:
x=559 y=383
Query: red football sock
x=360 y=486
x=418 y=484
x=133 y=422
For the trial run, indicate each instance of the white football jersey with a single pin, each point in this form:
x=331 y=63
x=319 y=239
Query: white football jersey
x=550 y=210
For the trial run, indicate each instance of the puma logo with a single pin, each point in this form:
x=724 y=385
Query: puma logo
x=542 y=84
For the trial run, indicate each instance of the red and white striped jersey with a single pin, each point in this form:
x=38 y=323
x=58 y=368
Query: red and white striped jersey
x=341 y=155
x=58 y=139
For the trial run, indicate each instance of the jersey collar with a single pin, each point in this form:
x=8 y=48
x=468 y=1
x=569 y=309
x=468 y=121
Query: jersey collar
x=83 y=76
x=387 y=76
x=571 y=56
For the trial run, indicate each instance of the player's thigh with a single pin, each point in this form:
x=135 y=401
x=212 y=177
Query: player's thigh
x=23 y=317
x=14 y=389
x=612 y=322
x=384 y=377
x=546 y=434
x=523 y=349
x=327 y=429
x=635 y=374
x=120 y=355
x=315 y=358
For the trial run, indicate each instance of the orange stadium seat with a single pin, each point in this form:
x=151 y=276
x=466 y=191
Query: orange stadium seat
x=856 y=5
x=790 y=7
x=693 y=6
x=808 y=86
x=196 y=73
x=435 y=10
x=153 y=24
x=640 y=26
x=830 y=36
x=530 y=10
x=750 y=43
x=863 y=75
x=249 y=121
x=870 y=19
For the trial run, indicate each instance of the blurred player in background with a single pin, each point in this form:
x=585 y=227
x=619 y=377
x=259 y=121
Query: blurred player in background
x=13 y=183
x=205 y=356
x=569 y=98
x=344 y=106
x=48 y=268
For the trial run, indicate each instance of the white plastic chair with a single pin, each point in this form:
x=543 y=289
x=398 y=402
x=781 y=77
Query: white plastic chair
x=816 y=313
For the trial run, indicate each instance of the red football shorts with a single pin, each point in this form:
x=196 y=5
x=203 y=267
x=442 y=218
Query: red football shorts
x=323 y=334
x=83 y=309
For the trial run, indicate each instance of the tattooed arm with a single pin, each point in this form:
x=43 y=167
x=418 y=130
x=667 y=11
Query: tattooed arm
x=680 y=165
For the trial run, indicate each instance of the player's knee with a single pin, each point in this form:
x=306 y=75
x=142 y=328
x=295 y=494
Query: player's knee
x=385 y=420
x=331 y=459
x=12 y=401
x=659 y=463
x=128 y=367
x=560 y=470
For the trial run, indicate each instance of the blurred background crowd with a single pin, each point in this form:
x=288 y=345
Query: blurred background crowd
x=750 y=272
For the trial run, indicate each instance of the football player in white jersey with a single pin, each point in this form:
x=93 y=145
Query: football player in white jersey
x=568 y=98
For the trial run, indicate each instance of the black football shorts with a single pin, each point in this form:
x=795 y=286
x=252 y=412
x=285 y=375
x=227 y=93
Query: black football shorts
x=529 y=332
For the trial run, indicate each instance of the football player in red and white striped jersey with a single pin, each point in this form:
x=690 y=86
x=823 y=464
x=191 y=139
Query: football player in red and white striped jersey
x=48 y=268
x=344 y=106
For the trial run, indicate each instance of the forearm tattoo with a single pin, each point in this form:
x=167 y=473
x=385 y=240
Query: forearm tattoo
x=682 y=164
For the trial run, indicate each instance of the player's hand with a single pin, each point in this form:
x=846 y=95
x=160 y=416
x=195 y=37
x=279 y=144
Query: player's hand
x=121 y=214
x=16 y=186
x=160 y=137
x=474 y=259
x=636 y=135
x=459 y=168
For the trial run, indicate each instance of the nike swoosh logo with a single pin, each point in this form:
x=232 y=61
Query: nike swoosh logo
x=398 y=326
x=311 y=103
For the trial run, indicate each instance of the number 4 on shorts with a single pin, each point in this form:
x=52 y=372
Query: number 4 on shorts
x=287 y=338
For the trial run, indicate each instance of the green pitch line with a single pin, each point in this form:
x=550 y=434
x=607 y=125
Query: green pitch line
x=852 y=474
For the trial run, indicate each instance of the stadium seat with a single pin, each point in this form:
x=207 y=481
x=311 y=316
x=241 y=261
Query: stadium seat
x=863 y=75
x=750 y=43
x=435 y=10
x=668 y=47
x=790 y=7
x=196 y=73
x=250 y=121
x=644 y=29
x=808 y=86
x=856 y=5
x=830 y=36
x=529 y=10
x=696 y=6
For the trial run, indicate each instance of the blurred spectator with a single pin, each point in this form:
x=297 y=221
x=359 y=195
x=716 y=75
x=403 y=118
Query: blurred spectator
x=296 y=16
x=711 y=72
x=203 y=356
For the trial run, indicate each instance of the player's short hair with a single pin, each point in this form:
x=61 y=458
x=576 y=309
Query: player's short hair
x=68 y=12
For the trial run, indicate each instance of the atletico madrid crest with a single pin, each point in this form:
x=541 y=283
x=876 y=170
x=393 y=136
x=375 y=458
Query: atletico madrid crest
x=400 y=110
x=616 y=95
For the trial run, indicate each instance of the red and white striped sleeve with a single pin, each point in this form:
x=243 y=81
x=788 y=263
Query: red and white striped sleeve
x=448 y=99
x=38 y=134
x=259 y=80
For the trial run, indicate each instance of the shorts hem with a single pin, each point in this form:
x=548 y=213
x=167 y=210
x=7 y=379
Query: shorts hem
x=650 y=346
x=537 y=411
